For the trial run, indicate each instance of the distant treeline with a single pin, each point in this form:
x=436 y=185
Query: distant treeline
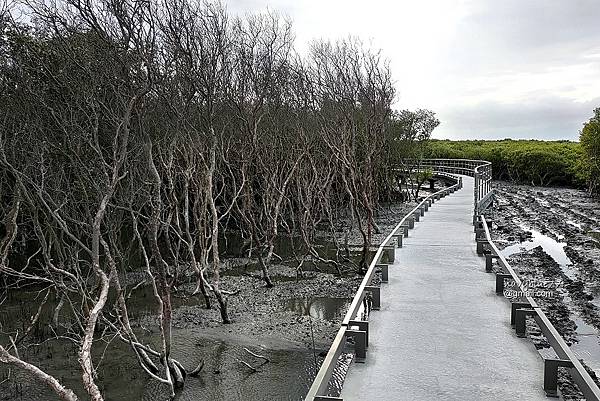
x=544 y=163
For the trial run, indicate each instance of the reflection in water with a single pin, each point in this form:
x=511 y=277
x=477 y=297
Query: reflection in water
x=588 y=345
x=287 y=377
x=324 y=308
x=552 y=247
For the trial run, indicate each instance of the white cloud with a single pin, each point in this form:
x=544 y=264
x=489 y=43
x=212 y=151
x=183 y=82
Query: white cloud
x=471 y=57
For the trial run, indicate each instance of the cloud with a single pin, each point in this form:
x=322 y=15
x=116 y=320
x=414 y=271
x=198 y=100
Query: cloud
x=462 y=58
x=549 y=118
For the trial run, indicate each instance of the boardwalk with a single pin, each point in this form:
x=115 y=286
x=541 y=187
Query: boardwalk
x=442 y=333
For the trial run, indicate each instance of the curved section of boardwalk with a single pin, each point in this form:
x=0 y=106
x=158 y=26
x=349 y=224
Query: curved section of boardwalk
x=442 y=333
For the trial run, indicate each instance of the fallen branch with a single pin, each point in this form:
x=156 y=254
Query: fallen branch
x=252 y=368
x=257 y=356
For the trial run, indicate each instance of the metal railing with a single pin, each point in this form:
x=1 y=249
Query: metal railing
x=528 y=307
x=367 y=297
x=357 y=328
x=480 y=170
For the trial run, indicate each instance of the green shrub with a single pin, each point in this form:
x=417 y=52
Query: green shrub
x=525 y=161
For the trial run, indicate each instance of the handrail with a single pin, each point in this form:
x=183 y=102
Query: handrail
x=320 y=384
x=583 y=379
x=483 y=197
x=480 y=170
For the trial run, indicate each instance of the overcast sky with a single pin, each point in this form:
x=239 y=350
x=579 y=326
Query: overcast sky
x=490 y=69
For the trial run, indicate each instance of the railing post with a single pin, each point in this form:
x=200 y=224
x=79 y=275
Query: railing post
x=375 y=296
x=475 y=195
x=384 y=272
x=411 y=222
x=513 y=310
x=390 y=252
x=480 y=245
x=551 y=374
x=398 y=238
x=500 y=277
x=360 y=344
x=404 y=228
x=489 y=261
x=520 y=321
x=362 y=325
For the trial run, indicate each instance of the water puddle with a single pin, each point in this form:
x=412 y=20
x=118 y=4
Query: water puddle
x=287 y=376
x=588 y=345
x=552 y=247
x=324 y=308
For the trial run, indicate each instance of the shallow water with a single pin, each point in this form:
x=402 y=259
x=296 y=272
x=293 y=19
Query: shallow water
x=325 y=308
x=588 y=345
x=287 y=376
x=552 y=247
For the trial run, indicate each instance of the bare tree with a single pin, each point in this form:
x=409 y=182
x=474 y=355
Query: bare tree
x=134 y=135
x=354 y=94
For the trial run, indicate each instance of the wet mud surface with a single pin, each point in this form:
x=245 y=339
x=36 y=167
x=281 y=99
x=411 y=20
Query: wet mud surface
x=549 y=237
x=292 y=324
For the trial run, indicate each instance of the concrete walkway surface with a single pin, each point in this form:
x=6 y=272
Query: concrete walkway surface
x=442 y=332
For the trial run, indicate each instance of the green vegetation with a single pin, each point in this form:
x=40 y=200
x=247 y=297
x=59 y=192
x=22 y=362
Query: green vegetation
x=590 y=144
x=544 y=163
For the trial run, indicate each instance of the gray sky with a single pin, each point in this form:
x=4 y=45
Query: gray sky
x=490 y=69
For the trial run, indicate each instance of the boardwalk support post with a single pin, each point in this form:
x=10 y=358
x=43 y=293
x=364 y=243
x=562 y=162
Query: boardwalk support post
x=480 y=246
x=500 y=277
x=551 y=374
x=360 y=344
x=398 y=238
x=390 y=251
x=362 y=325
x=411 y=222
x=384 y=272
x=489 y=261
x=417 y=215
x=376 y=296
x=520 y=323
x=513 y=308
x=404 y=228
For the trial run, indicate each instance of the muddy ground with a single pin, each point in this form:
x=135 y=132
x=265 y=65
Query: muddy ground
x=550 y=236
x=292 y=324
